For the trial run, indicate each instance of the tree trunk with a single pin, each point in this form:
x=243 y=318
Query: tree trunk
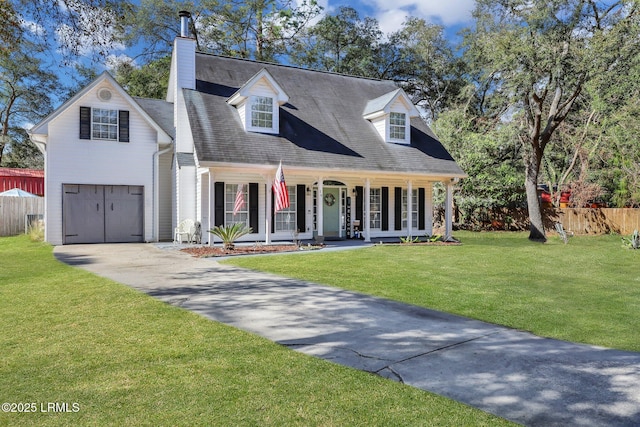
x=536 y=226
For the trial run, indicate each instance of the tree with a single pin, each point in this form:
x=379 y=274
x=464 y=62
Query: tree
x=490 y=156
x=22 y=153
x=426 y=66
x=537 y=56
x=341 y=43
x=149 y=81
x=68 y=27
x=25 y=93
x=259 y=29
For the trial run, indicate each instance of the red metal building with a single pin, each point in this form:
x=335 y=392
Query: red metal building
x=30 y=180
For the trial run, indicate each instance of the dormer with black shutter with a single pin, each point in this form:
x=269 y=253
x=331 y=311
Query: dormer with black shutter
x=391 y=116
x=258 y=103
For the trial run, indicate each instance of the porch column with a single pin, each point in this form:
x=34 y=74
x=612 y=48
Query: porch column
x=367 y=210
x=320 y=209
x=428 y=209
x=269 y=209
x=448 y=211
x=211 y=208
x=410 y=209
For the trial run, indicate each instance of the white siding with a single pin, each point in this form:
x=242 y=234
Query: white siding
x=242 y=111
x=381 y=127
x=71 y=160
x=164 y=196
x=187 y=193
x=184 y=64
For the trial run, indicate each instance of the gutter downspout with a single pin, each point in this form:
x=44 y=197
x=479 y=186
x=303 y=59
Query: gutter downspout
x=156 y=191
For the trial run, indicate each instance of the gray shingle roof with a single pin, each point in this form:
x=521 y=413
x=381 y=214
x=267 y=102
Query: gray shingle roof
x=160 y=111
x=379 y=103
x=321 y=125
x=185 y=159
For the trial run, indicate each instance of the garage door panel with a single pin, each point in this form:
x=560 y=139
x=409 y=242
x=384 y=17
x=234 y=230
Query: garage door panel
x=103 y=213
x=83 y=212
x=124 y=213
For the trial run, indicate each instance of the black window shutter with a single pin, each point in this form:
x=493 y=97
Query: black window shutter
x=85 y=122
x=421 y=200
x=218 y=218
x=301 y=216
x=385 y=209
x=398 y=208
x=253 y=206
x=123 y=126
x=359 y=205
x=273 y=212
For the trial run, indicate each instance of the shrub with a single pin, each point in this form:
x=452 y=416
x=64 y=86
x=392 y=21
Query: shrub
x=230 y=233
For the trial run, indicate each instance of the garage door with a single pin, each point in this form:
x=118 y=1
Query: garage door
x=102 y=213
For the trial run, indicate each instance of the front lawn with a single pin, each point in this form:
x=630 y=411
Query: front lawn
x=587 y=291
x=77 y=349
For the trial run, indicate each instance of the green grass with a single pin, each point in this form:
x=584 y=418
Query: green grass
x=587 y=291
x=129 y=360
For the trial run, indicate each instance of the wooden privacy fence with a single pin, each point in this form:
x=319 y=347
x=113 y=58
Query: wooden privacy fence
x=597 y=220
x=13 y=212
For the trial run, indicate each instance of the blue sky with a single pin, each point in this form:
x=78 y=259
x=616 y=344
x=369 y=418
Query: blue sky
x=391 y=13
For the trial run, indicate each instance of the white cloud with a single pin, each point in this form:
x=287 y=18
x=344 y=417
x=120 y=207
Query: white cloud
x=113 y=61
x=391 y=13
x=391 y=20
x=33 y=27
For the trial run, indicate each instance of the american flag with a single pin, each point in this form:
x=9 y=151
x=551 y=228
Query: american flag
x=239 y=200
x=280 y=193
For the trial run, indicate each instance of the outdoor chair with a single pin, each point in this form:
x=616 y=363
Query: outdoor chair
x=186 y=229
x=197 y=234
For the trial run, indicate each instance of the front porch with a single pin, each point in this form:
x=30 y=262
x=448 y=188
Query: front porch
x=341 y=207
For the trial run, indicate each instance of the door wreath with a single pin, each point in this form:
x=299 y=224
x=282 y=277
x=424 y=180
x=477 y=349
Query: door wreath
x=329 y=199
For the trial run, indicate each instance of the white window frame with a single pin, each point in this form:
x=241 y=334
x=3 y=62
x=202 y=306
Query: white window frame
x=396 y=129
x=286 y=219
x=375 y=208
x=230 y=192
x=254 y=104
x=414 y=209
x=104 y=130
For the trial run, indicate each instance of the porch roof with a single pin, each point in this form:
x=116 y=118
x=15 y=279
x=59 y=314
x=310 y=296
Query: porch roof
x=320 y=127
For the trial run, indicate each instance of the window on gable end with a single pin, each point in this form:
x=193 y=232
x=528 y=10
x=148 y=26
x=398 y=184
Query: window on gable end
x=104 y=124
x=262 y=112
x=398 y=126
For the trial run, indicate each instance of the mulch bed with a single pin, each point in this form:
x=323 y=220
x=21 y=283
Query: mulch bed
x=207 y=251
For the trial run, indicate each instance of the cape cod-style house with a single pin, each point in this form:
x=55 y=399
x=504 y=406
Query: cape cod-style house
x=357 y=158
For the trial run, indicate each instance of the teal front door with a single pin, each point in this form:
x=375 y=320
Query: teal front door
x=331 y=212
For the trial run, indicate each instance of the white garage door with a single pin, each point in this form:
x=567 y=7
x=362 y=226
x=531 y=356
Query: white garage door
x=102 y=213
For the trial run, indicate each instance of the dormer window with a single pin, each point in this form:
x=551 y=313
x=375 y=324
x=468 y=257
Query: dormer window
x=258 y=103
x=398 y=126
x=262 y=112
x=390 y=115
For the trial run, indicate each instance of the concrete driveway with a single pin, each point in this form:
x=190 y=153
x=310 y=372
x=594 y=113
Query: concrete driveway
x=530 y=380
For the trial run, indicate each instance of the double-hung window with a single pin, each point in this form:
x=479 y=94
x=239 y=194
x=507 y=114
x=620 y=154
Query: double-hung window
x=104 y=124
x=397 y=126
x=285 y=219
x=236 y=204
x=262 y=112
x=375 y=208
x=414 y=208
